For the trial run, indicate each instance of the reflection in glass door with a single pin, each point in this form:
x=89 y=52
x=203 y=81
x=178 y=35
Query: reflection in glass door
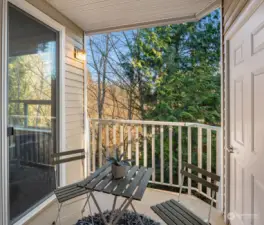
x=32 y=100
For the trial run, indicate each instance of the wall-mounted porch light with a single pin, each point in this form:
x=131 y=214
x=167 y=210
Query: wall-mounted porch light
x=79 y=54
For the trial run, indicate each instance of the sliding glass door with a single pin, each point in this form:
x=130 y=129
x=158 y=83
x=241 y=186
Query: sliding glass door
x=32 y=110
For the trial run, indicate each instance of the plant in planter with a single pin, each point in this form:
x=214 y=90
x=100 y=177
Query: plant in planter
x=119 y=166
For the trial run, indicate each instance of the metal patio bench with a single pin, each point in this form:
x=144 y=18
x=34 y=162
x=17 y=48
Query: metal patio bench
x=174 y=213
x=69 y=192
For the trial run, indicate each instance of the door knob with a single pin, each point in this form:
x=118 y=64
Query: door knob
x=230 y=149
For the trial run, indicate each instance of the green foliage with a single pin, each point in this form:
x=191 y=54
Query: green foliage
x=118 y=159
x=180 y=67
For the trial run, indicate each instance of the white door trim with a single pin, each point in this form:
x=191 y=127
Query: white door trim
x=4 y=156
x=247 y=12
x=39 y=15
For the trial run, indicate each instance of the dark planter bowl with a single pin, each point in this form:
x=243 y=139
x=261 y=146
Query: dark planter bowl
x=118 y=171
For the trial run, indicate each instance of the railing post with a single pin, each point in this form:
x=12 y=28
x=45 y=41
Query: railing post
x=145 y=146
x=153 y=154
x=200 y=139
x=209 y=158
x=161 y=154
x=171 y=156
x=219 y=169
x=179 y=154
x=189 y=158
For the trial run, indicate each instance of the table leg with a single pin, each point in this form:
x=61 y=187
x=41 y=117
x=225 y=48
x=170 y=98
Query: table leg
x=122 y=211
x=127 y=202
x=90 y=209
x=113 y=209
x=87 y=200
x=99 y=209
x=140 y=220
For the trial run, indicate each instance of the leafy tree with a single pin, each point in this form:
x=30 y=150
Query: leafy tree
x=180 y=68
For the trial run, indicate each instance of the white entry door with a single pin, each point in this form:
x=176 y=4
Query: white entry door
x=246 y=77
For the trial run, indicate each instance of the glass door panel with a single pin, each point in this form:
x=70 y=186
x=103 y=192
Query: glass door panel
x=32 y=100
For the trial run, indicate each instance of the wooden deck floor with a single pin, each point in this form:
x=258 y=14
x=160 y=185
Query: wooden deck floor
x=71 y=213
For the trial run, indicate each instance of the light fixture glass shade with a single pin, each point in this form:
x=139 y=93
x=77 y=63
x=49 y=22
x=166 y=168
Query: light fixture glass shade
x=79 y=54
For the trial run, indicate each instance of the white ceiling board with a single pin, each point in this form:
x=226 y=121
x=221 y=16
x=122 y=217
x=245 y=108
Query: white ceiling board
x=99 y=16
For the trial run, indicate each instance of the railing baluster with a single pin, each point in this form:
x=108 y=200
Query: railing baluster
x=100 y=144
x=145 y=146
x=189 y=157
x=88 y=145
x=171 y=156
x=200 y=136
x=161 y=154
x=93 y=146
x=209 y=157
x=129 y=142
x=107 y=139
x=114 y=136
x=122 y=138
x=219 y=170
x=137 y=146
x=153 y=154
x=179 y=153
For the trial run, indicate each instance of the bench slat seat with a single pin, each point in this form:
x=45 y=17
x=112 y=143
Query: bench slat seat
x=69 y=192
x=173 y=212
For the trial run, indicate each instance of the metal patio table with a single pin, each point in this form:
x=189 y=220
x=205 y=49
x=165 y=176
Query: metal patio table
x=131 y=187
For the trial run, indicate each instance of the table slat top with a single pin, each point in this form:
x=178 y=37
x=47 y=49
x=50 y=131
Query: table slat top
x=132 y=185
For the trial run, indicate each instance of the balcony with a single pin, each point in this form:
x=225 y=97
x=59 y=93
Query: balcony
x=164 y=146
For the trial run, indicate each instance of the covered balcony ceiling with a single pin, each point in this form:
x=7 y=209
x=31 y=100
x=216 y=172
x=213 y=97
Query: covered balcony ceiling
x=100 y=16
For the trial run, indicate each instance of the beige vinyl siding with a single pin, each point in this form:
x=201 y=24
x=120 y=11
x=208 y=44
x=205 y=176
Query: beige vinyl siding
x=74 y=87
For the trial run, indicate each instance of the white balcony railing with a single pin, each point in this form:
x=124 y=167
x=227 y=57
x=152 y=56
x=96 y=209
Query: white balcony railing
x=160 y=145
